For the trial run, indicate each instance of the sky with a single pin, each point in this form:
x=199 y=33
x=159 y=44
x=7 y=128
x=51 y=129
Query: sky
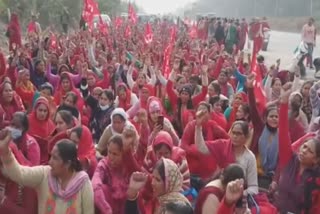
x=161 y=6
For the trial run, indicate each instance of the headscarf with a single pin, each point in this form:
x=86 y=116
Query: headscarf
x=234 y=109
x=25 y=86
x=173 y=185
x=125 y=104
x=40 y=128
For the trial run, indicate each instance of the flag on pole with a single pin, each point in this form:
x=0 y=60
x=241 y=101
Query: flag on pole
x=148 y=35
x=90 y=10
x=132 y=14
x=168 y=52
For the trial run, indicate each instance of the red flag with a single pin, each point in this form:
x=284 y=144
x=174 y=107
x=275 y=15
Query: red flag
x=90 y=9
x=127 y=32
x=258 y=85
x=53 y=42
x=118 y=22
x=132 y=14
x=167 y=53
x=103 y=27
x=148 y=35
x=193 y=32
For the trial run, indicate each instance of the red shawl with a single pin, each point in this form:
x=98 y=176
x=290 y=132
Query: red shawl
x=3 y=65
x=7 y=111
x=86 y=150
x=60 y=93
x=124 y=103
x=235 y=107
x=14 y=31
x=221 y=151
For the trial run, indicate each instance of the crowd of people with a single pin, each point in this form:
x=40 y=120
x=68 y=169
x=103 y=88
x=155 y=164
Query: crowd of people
x=103 y=120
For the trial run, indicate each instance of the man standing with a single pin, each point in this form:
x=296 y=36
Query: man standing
x=309 y=36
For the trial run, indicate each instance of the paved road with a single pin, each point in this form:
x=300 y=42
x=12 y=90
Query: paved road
x=282 y=45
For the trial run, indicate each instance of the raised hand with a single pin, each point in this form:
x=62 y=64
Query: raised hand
x=4 y=141
x=250 y=80
x=234 y=191
x=200 y=117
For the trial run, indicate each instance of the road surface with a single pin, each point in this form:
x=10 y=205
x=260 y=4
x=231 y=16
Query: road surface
x=282 y=45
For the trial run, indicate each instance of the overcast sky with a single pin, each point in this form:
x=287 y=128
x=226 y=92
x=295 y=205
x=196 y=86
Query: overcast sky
x=161 y=6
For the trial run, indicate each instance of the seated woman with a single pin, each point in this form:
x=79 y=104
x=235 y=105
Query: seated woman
x=41 y=126
x=64 y=121
x=229 y=151
x=213 y=193
x=183 y=104
x=299 y=170
x=162 y=147
x=46 y=91
x=216 y=112
x=17 y=198
x=111 y=177
x=155 y=112
x=82 y=137
x=101 y=110
x=10 y=102
x=230 y=113
x=125 y=98
x=61 y=187
x=70 y=104
x=24 y=88
x=200 y=165
x=166 y=184
x=119 y=122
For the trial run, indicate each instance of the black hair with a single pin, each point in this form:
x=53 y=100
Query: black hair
x=273 y=81
x=159 y=146
x=47 y=86
x=161 y=170
x=78 y=131
x=246 y=109
x=203 y=103
x=66 y=116
x=73 y=96
x=179 y=207
x=117 y=139
x=23 y=119
x=109 y=94
x=244 y=126
x=231 y=173
x=267 y=112
x=68 y=152
x=213 y=100
x=216 y=87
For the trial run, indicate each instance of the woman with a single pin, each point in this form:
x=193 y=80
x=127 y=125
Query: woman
x=184 y=102
x=163 y=147
x=166 y=185
x=101 y=109
x=216 y=112
x=213 y=193
x=14 y=33
x=119 y=122
x=41 y=126
x=46 y=91
x=299 y=170
x=24 y=88
x=273 y=88
x=82 y=137
x=111 y=177
x=62 y=187
x=306 y=104
x=230 y=112
x=230 y=151
x=63 y=121
x=27 y=153
x=66 y=85
x=155 y=112
x=203 y=166
x=226 y=88
x=10 y=103
x=141 y=81
x=125 y=98
x=265 y=138
x=70 y=104
x=38 y=77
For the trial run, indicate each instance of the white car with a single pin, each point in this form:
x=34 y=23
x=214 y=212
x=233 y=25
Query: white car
x=105 y=18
